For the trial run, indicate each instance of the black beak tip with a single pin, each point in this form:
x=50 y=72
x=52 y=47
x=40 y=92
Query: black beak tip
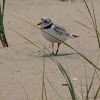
x=38 y=24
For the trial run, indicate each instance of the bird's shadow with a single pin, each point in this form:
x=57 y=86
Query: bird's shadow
x=65 y=54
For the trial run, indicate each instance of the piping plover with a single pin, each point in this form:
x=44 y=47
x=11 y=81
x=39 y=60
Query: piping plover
x=55 y=30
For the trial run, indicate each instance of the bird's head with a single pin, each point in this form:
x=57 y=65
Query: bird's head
x=45 y=22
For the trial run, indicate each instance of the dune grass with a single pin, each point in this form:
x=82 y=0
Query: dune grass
x=2 y=33
x=94 y=22
x=43 y=80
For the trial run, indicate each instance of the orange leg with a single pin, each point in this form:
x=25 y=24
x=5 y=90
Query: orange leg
x=53 y=48
x=58 y=48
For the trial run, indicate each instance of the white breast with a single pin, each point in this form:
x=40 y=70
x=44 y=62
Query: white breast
x=54 y=33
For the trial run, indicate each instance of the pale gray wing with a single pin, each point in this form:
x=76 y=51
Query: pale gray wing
x=60 y=30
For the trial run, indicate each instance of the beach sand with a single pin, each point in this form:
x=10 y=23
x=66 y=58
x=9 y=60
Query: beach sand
x=21 y=64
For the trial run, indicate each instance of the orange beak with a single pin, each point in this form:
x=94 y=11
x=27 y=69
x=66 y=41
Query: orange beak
x=39 y=23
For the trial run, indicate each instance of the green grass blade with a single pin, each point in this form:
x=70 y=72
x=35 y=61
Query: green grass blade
x=43 y=78
x=87 y=95
x=2 y=33
x=68 y=80
x=43 y=81
x=54 y=89
x=97 y=93
x=63 y=43
x=90 y=85
x=89 y=11
x=0 y=16
x=82 y=24
x=93 y=18
x=45 y=91
x=95 y=26
x=3 y=7
x=82 y=90
x=26 y=39
x=86 y=18
x=85 y=25
x=72 y=92
x=70 y=86
x=94 y=15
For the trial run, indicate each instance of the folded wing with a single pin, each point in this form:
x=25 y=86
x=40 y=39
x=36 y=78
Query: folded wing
x=60 y=30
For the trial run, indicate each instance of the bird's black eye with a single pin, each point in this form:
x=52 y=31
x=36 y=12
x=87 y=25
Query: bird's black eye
x=45 y=21
x=41 y=18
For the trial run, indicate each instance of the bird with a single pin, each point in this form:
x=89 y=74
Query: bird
x=55 y=30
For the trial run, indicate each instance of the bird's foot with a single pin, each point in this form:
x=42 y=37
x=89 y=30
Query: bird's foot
x=54 y=54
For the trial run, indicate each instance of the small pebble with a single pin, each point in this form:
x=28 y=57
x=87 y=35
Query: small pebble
x=75 y=79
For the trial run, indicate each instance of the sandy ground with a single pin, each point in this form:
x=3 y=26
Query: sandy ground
x=21 y=64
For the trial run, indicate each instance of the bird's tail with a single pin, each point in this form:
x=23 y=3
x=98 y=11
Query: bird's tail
x=74 y=36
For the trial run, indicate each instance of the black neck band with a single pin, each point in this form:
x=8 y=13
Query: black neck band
x=47 y=27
